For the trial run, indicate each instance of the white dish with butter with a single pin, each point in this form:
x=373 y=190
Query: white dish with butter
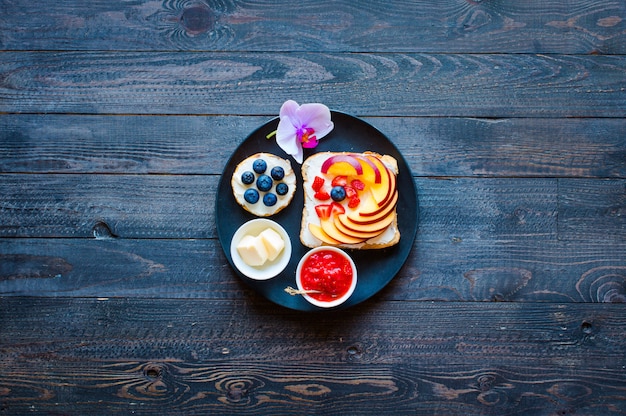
x=260 y=249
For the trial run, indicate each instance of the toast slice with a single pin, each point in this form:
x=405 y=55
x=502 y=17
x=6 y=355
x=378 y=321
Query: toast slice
x=366 y=218
x=281 y=199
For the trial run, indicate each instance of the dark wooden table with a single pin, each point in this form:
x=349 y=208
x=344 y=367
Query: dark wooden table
x=117 y=118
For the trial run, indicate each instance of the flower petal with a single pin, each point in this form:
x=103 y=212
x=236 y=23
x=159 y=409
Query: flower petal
x=317 y=117
x=295 y=120
x=298 y=156
x=289 y=109
x=291 y=146
x=287 y=138
x=311 y=143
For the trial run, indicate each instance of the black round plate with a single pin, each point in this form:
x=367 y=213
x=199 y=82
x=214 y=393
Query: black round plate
x=375 y=267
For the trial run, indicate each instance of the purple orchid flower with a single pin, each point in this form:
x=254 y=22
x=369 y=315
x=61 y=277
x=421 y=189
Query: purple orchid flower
x=301 y=126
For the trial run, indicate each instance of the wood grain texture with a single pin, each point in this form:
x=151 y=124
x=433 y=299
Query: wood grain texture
x=496 y=209
x=451 y=26
x=361 y=84
x=478 y=239
x=173 y=206
x=453 y=269
x=584 y=204
x=149 y=206
x=120 y=144
x=139 y=206
x=245 y=359
x=117 y=119
x=439 y=146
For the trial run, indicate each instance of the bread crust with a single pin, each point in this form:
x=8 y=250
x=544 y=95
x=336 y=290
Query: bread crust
x=310 y=168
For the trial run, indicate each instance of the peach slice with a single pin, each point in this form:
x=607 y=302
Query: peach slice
x=329 y=228
x=368 y=205
x=393 y=185
x=374 y=227
x=342 y=165
x=371 y=171
x=318 y=233
x=383 y=190
x=362 y=217
x=372 y=209
x=343 y=224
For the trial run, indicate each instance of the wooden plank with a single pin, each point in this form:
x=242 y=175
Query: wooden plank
x=391 y=84
x=116 y=267
x=535 y=26
x=517 y=270
x=514 y=270
x=127 y=206
x=63 y=355
x=592 y=209
x=537 y=147
x=182 y=206
x=120 y=144
x=437 y=146
x=478 y=239
x=468 y=209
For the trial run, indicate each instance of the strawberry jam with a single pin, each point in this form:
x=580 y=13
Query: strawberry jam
x=328 y=272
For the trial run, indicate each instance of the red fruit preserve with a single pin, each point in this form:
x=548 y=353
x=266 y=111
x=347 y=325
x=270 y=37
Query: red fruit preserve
x=329 y=272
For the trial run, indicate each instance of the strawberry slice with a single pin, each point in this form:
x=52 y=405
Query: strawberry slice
x=337 y=208
x=322 y=195
x=339 y=181
x=317 y=183
x=323 y=211
x=350 y=192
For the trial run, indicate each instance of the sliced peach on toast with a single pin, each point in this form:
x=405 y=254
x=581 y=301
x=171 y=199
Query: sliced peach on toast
x=342 y=165
x=328 y=225
x=320 y=234
x=370 y=227
x=382 y=191
x=362 y=217
x=345 y=227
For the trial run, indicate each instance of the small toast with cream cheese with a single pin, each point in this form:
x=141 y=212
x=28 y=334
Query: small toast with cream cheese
x=263 y=184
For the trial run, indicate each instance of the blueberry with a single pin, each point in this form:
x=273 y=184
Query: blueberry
x=338 y=193
x=251 y=196
x=269 y=199
x=259 y=166
x=282 y=188
x=278 y=173
x=247 y=177
x=264 y=183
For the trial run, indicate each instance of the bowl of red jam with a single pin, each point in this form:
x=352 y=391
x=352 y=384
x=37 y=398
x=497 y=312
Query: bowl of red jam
x=326 y=276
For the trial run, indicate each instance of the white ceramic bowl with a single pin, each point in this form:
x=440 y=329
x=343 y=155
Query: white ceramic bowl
x=270 y=268
x=334 y=302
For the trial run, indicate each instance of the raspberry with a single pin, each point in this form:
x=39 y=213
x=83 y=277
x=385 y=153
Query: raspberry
x=357 y=184
x=354 y=202
x=317 y=183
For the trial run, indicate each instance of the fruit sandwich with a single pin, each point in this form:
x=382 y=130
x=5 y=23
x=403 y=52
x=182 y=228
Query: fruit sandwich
x=350 y=200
